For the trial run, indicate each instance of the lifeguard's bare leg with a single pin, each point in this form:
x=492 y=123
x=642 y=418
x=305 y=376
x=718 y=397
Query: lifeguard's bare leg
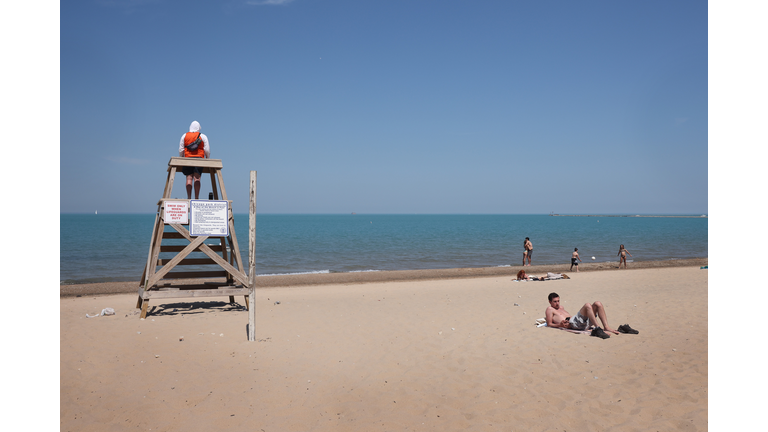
x=197 y=185
x=189 y=186
x=193 y=178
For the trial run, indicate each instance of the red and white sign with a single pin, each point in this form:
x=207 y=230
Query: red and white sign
x=176 y=212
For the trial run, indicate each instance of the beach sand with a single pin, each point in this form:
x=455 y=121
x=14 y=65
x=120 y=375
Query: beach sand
x=424 y=354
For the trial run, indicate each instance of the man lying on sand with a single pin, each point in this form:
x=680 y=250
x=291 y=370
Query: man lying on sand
x=585 y=319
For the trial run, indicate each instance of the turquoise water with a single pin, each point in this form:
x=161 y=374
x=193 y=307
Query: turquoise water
x=111 y=247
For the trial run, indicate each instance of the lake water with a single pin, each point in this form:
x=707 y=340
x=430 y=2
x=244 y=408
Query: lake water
x=114 y=247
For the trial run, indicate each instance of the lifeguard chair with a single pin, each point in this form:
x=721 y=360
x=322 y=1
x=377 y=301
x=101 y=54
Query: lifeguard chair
x=158 y=281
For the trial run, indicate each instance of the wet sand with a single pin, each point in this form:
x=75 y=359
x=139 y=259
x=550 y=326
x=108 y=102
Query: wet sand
x=390 y=276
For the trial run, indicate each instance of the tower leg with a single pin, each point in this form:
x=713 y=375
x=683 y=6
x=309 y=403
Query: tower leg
x=144 y=306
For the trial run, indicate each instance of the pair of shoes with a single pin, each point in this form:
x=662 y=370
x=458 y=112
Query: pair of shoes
x=625 y=328
x=598 y=332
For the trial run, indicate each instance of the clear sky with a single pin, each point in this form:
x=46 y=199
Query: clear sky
x=390 y=106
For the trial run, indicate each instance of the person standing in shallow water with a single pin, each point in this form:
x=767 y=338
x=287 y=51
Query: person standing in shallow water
x=623 y=256
x=194 y=144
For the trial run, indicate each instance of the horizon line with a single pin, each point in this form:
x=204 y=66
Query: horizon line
x=601 y=214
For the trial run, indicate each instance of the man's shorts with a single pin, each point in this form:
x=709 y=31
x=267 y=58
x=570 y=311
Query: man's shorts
x=530 y=253
x=187 y=171
x=574 y=261
x=579 y=322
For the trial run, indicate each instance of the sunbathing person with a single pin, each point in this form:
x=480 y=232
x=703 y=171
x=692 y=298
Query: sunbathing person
x=521 y=275
x=585 y=319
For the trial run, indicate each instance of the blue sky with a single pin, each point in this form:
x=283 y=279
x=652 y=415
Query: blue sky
x=390 y=106
x=467 y=107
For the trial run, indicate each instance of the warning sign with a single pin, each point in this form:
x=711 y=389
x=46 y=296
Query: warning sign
x=209 y=218
x=176 y=212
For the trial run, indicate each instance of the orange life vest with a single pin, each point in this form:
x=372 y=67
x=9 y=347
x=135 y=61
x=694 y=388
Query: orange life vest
x=189 y=138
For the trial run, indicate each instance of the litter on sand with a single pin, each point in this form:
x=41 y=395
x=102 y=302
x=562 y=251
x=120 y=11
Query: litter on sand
x=105 y=311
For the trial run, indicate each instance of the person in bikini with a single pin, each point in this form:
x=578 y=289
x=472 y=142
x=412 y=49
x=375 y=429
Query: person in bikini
x=585 y=319
x=623 y=256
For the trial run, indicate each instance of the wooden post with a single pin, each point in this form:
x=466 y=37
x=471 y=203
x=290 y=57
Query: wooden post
x=252 y=260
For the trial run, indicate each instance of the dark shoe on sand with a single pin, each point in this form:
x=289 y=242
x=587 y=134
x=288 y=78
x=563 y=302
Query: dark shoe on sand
x=625 y=328
x=598 y=332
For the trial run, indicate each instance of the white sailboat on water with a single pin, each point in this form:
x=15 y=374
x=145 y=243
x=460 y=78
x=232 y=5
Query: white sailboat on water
x=97 y=212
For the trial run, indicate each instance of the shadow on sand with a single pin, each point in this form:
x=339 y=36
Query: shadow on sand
x=197 y=307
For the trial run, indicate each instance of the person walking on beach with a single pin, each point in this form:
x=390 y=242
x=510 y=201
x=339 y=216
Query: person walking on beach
x=574 y=258
x=528 y=252
x=585 y=319
x=194 y=144
x=623 y=256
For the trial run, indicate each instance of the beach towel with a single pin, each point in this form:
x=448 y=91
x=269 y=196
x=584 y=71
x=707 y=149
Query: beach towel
x=550 y=276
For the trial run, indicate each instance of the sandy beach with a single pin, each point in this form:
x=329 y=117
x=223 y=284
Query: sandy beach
x=459 y=353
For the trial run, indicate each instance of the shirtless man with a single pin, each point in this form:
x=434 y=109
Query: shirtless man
x=585 y=319
x=574 y=257
x=528 y=250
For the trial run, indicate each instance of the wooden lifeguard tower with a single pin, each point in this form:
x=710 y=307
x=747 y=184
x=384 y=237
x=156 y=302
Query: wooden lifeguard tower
x=159 y=282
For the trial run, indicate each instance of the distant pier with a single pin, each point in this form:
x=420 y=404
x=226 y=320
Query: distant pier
x=649 y=216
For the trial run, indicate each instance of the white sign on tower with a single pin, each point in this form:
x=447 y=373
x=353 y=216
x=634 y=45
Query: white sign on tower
x=176 y=212
x=209 y=218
